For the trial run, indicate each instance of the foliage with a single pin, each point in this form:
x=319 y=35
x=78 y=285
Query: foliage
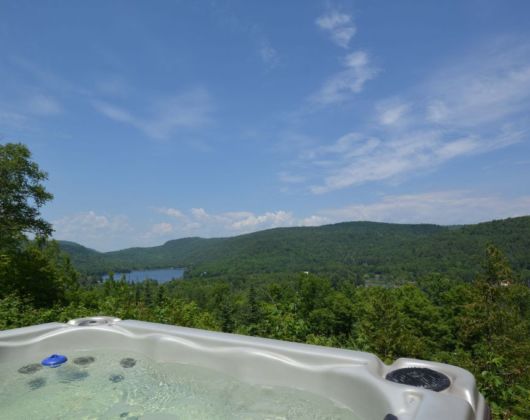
x=34 y=270
x=368 y=253
x=482 y=325
x=22 y=194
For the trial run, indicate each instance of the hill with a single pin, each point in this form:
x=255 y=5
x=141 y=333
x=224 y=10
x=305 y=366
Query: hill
x=362 y=249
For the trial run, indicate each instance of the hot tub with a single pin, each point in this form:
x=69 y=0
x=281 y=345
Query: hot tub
x=133 y=369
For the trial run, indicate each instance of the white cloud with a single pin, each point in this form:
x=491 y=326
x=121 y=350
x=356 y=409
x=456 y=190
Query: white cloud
x=244 y=221
x=115 y=113
x=269 y=219
x=339 y=25
x=367 y=160
x=391 y=113
x=171 y=212
x=92 y=229
x=441 y=207
x=349 y=145
x=44 y=105
x=340 y=87
x=105 y=232
x=160 y=229
x=198 y=221
x=474 y=108
x=200 y=214
x=437 y=111
x=481 y=90
x=166 y=115
x=90 y=221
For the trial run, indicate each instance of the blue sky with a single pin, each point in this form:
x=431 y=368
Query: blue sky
x=167 y=119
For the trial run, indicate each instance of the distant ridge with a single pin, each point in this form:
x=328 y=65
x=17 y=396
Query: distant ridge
x=393 y=251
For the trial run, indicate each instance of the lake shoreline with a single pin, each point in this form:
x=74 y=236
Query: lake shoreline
x=161 y=275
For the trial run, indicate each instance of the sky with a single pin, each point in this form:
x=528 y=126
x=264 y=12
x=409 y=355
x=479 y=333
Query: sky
x=169 y=119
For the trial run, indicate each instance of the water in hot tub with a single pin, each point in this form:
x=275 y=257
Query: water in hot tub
x=112 y=385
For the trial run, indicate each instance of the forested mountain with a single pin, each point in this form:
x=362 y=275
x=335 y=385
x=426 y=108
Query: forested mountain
x=389 y=252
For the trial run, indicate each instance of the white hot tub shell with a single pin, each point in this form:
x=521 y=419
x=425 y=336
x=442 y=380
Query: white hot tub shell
x=350 y=378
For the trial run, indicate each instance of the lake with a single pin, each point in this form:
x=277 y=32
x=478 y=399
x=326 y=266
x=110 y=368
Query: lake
x=161 y=275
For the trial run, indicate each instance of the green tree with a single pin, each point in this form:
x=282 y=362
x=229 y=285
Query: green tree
x=22 y=194
x=32 y=269
x=382 y=328
x=253 y=310
x=496 y=268
x=495 y=330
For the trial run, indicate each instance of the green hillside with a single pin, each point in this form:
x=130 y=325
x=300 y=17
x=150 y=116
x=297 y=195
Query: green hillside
x=362 y=249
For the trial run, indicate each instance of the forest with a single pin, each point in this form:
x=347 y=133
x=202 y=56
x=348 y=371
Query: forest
x=383 y=252
x=473 y=312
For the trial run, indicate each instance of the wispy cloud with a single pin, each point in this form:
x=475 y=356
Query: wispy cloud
x=114 y=113
x=339 y=26
x=268 y=54
x=391 y=112
x=481 y=90
x=177 y=214
x=289 y=178
x=13 y=119
x=198 y=221
x=230 y=19
x=45 y=78
x=159 y=230
x=351 y=80
x=44 y=105
x=21 y=113
x=480 y=107
x=365 y=160
x=113 y=86
x=105 y=232
x=439 y=207
x=165 y=115
x=31 y=94
x=92 y=229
